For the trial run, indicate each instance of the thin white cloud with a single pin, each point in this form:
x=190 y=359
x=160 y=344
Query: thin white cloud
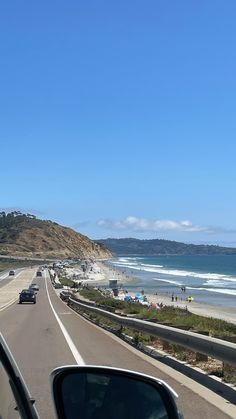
x=147 y=225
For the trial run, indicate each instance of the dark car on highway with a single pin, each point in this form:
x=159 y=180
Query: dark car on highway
x=39 y=273
x=11 y=273
x=27 y=296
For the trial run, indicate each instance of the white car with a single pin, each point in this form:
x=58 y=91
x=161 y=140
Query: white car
x=34 y=287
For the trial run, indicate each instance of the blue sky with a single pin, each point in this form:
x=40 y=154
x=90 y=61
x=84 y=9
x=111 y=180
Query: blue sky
x=118 y=117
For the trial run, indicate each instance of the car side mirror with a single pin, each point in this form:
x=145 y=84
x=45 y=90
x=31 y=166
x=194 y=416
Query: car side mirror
x=103 y=392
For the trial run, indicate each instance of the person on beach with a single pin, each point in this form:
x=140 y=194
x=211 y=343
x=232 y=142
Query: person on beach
x=176 y=298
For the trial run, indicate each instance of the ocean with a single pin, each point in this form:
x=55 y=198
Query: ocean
x=208 y=279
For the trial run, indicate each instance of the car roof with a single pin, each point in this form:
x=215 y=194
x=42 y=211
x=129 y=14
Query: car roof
x=26 y=290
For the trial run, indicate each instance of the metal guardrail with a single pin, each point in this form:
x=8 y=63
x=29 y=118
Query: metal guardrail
x=213 y=347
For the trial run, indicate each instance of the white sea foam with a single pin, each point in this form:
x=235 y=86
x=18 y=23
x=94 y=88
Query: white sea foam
x=215 y=282
x=134 y=257
x=217 y=290
x=230 y=279
x=168 y=280
x=128 y=259
x=153 y=269
x=132 y=262
x=151 y=266
x=125 y=264
x=226 y=291
x=176 y=272
x=223 y=291
x=220 y=282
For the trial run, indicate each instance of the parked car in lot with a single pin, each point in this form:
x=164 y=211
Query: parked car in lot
x=27 y=296
x=34 y=287
x=11 y=273
x=39 y=273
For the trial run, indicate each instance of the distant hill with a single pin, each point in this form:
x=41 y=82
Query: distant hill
x=154 y=247
x=26 y=235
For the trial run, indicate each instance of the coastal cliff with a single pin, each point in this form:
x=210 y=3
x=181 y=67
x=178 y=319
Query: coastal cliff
x=26 y=235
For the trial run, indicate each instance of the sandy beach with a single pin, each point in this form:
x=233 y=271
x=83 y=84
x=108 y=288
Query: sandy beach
x=110 y=272
x=101 y=273
x=207 y=310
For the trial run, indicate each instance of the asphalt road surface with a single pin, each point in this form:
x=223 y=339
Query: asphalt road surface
x=38 y=344
x=5 y=278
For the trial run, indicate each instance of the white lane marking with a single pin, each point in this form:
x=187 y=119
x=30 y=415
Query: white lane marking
x=6 y=275
x=14 y=299
x=69 y=341
x=9 y=303
x=18 y=274
x=3 y=276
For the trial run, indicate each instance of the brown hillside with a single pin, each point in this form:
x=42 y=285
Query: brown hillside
x=24 y=235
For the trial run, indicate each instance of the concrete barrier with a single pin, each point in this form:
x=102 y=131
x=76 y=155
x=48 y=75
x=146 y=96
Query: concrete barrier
x=213 y=347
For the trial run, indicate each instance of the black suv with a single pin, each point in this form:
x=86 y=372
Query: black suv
x=27 y=296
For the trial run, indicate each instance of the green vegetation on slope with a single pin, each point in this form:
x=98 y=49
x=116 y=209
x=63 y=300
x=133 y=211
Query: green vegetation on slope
x=26 y=235
x=12 y=223
x=66 y=282
x=167 y=315
x=154 y=247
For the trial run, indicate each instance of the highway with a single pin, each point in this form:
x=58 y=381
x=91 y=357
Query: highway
x=36 y=337
x=6 y=279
